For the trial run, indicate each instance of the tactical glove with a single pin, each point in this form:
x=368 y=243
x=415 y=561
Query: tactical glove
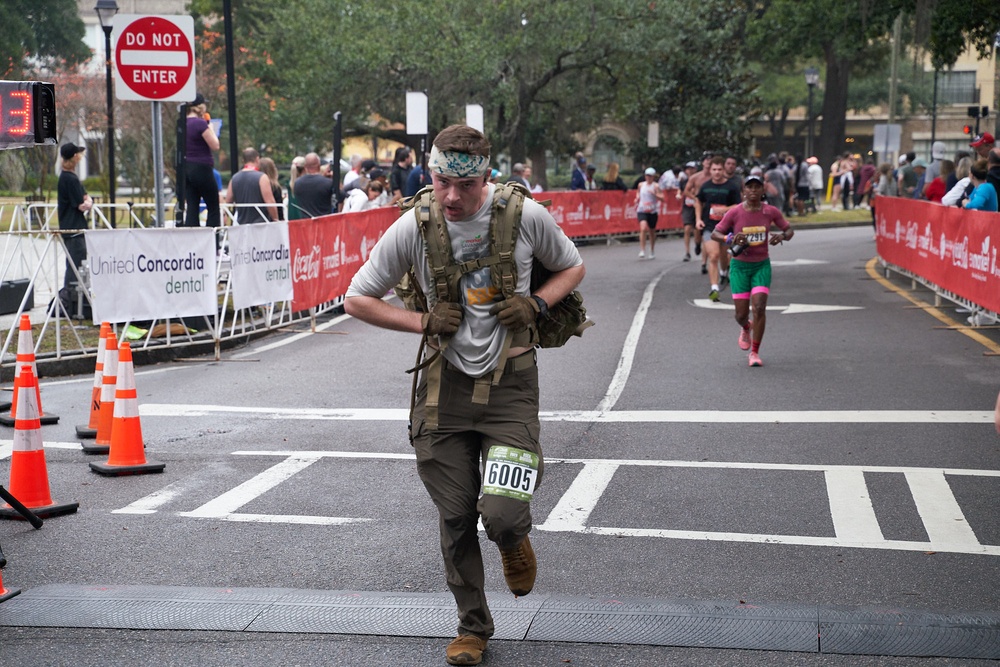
x=444 y=318
x=516 y=313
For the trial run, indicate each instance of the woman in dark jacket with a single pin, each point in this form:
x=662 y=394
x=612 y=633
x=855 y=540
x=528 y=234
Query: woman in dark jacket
x=612 y=181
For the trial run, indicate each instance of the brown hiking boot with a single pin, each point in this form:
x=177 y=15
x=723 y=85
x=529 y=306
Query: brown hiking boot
x=519 y=567
x=465 y=650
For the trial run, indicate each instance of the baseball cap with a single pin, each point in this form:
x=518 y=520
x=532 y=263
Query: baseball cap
x=981 y=139
x=375 y=173
x=368 y=165
x=919 y=162
x=753 y=178
x=693 y=165
x=650 y=172
x=902 y=159
x=67 y=151
x=199 y=99
x=938 y=150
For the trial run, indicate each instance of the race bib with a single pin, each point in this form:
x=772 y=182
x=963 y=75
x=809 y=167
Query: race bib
x=510 y=472
x=755 y=235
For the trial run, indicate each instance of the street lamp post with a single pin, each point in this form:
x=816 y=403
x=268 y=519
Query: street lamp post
x=812 y=80
x=106 y=10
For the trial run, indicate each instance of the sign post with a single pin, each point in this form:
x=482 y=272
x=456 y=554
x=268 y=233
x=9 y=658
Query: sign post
x=154 y=62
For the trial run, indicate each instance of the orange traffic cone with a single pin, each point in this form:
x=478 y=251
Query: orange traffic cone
x=29 y=479
x=106 y=413
x=128 y=454
x=7 y=593
x=90 y=430
x=26 y=355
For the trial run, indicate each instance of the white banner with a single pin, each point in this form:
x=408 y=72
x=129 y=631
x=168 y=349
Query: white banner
x=147 y=274
x=261 y=269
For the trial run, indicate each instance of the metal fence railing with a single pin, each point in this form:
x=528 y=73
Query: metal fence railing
x=34 y=259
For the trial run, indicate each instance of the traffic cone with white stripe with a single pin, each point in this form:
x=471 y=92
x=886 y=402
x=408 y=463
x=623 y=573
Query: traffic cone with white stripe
x=106 y=413
x=29 y=478
x=26 y=355
x=6 y=593
x=128 y=455
x=90 y=430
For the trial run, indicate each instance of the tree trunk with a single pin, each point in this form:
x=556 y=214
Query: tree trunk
x=539 y=166
x=830 y=143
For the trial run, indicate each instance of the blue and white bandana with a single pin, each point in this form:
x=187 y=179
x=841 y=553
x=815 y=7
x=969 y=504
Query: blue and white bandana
x=458 y=165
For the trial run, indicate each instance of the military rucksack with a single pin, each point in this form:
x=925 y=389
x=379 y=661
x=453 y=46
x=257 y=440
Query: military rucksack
x=565 y=319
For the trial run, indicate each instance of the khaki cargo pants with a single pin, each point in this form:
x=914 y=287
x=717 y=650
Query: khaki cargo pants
x=450 y=462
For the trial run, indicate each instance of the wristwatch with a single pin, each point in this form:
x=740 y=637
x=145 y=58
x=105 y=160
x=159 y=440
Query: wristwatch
x=543 y=308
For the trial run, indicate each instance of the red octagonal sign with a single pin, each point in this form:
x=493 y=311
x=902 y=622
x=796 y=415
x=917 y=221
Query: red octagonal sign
x=154 y=58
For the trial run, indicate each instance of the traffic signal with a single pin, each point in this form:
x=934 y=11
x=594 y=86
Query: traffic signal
x=967 y=129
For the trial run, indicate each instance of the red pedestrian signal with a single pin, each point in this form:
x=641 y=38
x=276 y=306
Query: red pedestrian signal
x=967 y=129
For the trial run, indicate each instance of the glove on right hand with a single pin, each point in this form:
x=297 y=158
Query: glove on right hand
x=444 y=318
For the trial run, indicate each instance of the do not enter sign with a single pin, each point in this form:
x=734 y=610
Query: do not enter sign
x=154 y=58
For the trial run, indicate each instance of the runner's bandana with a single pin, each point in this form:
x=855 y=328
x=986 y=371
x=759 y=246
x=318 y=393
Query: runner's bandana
x=457 y=165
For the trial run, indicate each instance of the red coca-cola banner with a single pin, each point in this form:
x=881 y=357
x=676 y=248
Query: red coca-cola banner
x=327 y=251
x=606 y=212
x=952 y=248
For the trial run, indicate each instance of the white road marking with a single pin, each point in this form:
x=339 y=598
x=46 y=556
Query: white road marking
x=628 y=348
x=797 y=262
x=7 y=446
x=938 y=508
x=790 y=309
x=855 y=523
x=851 y=507
x=288 y=340
x=617 y=416
x=157 y=499
x=225 y=506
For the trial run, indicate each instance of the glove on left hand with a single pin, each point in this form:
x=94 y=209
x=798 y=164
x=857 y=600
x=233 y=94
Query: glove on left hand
x=516 y=313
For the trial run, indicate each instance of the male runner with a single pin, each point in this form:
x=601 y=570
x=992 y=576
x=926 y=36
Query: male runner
x=694 y=183
x=748 y=227
x=716 y=196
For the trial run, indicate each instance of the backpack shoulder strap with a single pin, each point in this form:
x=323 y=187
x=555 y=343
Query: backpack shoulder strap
x=505 y=225
x=434 y=230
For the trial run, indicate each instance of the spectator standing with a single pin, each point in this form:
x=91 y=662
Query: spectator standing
x=960 y=191
x=668 y=179
x=72 y=202
x=774 y=185
x=984 y=195
x=884 y=186
x=199 y=180
x=865 y=185
x=478 y=337
x=416 y=181
x=314 y=191
x=517 y=175
x=378 y=174
x=402 y=165
x=815 y=182
x=270 y=170
x=983 y=144
x=536 y=188
x=355 y=171
x=919 y=167
x=297 y=170
x=803 y=195
x=250 y=189
x=993 y=169
x=591 y=182
x=362 y=199
x=936 y=189
x=612 y=181
x=908 y=175
x=578 y=179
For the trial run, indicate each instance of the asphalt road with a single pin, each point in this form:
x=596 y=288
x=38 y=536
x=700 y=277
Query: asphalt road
x=674 y=471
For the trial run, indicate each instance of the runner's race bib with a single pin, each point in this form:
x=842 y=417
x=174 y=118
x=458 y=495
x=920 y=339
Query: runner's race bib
x=510 y=472
x=755 y=235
